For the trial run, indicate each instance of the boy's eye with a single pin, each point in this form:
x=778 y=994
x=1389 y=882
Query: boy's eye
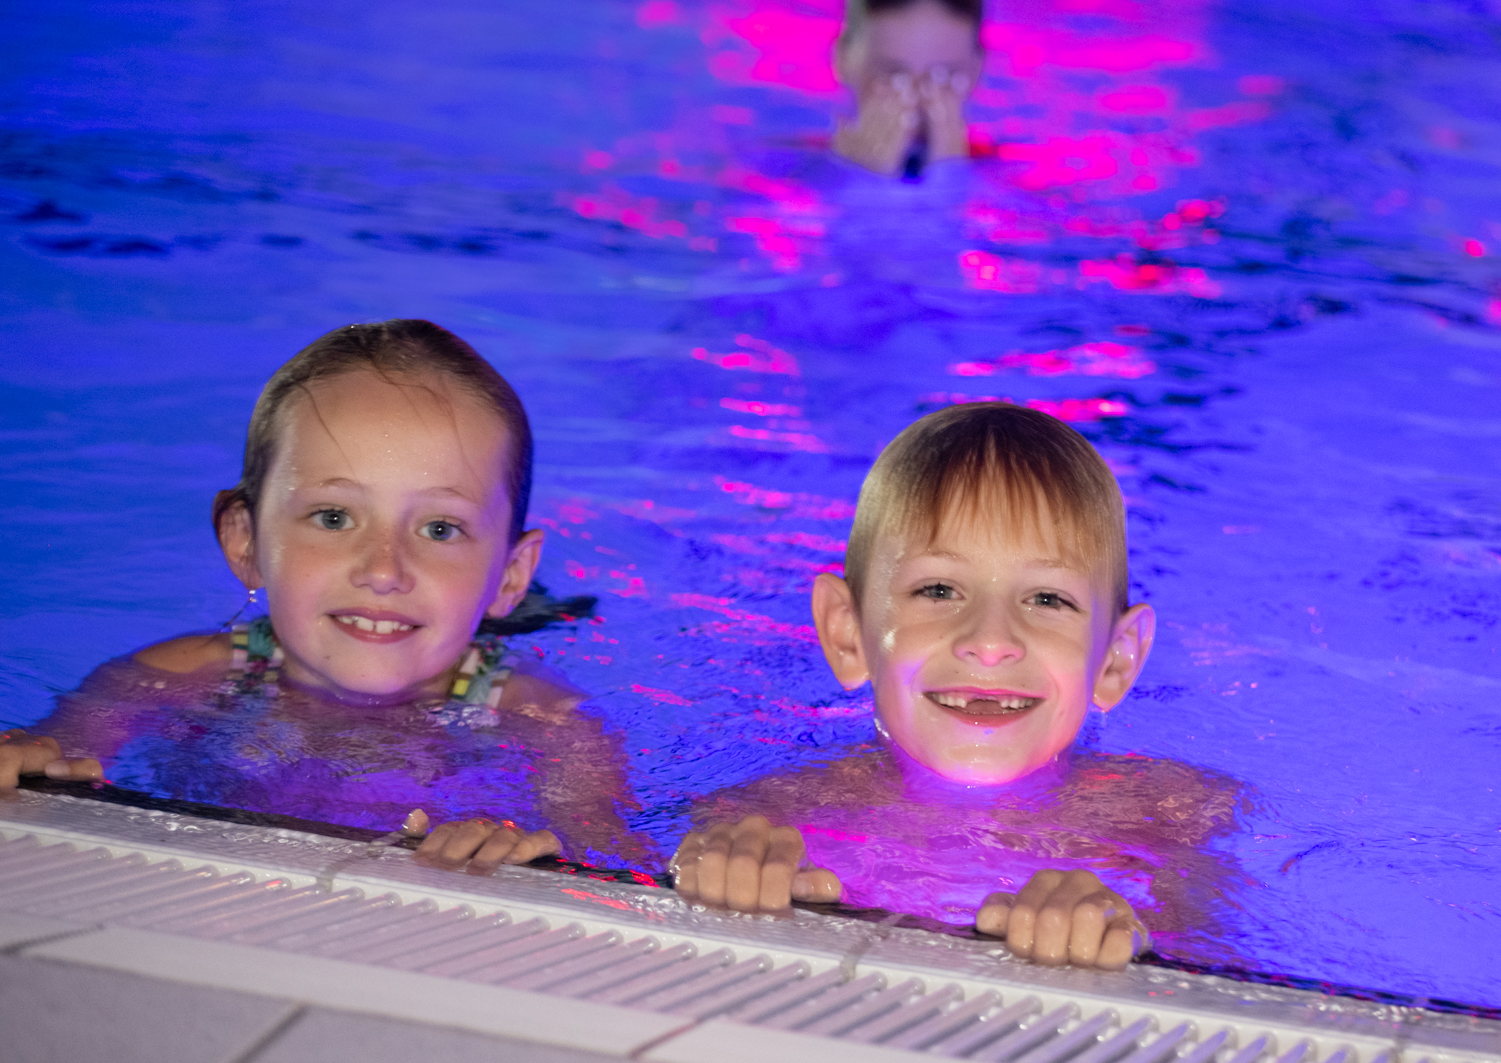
x=332 y=519
x=939 y=592
x=1050 y=600
x=440 y=531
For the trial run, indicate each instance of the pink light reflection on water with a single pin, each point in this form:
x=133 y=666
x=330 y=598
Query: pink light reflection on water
x=1103 y=358
x=751 y=625
x=758 y=356
x=1161 y=278
x=796 y=504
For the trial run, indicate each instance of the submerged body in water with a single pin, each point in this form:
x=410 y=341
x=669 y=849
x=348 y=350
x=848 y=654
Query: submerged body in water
x=535 y=759
x=902 y=838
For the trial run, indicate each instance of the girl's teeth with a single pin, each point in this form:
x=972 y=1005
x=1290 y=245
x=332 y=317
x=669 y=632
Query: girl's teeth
x=379 y=627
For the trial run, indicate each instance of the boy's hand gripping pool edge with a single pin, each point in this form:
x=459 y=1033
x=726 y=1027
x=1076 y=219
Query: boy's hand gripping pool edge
x=26 y=754
x=750 y=866
x=1065 y=917
x=478 y=846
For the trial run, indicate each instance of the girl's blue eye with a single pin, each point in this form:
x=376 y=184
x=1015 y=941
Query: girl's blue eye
x=332 y=519
x=939 y=592
x=440 y=531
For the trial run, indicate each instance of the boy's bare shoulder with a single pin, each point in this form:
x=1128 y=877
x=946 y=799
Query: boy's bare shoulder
x=187 y=653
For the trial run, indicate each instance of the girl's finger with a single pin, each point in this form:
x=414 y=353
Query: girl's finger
x=749 y=842
x=535 y=844
x=493 y=851
x=464 y=842
x=713 y=864
x=684 y=866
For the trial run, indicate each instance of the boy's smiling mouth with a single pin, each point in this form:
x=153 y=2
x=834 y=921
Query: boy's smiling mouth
x=370 y=625
x=968 y=701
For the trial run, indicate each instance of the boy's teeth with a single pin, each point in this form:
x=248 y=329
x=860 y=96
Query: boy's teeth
x=960 y=701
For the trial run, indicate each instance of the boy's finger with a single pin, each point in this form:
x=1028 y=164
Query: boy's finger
x=78 y=769
x=531 y=846
x=995 y=914
x=1123 y=939
x=1091 y=916
x=1054 y=928
x=748 y=848
x=783 y=857
x=817 y=884
x=1021 y=928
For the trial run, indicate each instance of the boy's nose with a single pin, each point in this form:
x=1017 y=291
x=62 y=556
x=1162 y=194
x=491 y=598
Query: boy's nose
x=989 y=641
x=382 y=566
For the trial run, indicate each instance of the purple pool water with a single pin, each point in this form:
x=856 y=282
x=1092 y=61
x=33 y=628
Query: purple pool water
x=1248 y=249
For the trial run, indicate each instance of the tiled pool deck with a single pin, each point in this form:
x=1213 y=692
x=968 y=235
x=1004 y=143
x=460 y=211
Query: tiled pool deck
x=132 y=935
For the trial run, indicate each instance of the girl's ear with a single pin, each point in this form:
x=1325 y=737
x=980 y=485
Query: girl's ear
x=520 y=567
x=839 y=630
x=1130 y=642
x=237 y=540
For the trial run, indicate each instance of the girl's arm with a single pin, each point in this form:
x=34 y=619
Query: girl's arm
x=187 y=653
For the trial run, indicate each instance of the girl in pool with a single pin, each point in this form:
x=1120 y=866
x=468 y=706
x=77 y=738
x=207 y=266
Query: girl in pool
x=382 y=511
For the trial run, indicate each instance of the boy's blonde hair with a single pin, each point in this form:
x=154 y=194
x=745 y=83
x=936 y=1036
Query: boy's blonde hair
x=1003 y=465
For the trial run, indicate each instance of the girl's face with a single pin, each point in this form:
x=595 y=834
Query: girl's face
x=381 y=535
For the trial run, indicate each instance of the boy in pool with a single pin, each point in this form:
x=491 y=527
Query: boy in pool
x=911 y=65
x=985 y=600
x=382 y=509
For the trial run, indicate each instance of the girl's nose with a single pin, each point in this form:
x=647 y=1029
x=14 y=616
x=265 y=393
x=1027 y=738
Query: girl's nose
x=989 y=639
x=382 y=566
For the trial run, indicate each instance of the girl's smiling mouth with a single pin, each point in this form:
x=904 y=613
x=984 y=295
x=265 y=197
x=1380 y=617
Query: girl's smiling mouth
x=375 y=625
x=974 y=703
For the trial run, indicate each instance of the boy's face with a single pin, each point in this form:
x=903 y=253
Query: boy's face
x=985 y=650
x=921 y=40
x=382 y=531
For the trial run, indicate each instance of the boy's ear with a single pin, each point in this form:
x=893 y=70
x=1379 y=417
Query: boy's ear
x=520 y=567
x=237 y=540
x=839 y=630
x=1130 y=642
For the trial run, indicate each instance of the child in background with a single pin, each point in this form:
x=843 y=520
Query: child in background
x=911 y=65
x=382 y=510
x=985 y=601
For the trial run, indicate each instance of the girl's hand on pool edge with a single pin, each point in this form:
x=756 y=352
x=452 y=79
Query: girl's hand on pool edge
x=481 y=844
x=1065 y=917
x=750 y=866
x=25 y=754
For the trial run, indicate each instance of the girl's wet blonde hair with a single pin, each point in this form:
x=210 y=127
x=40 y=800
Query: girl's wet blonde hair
x=1001 y=465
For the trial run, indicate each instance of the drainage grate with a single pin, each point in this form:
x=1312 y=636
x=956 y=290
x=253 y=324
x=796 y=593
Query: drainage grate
x=616 y=966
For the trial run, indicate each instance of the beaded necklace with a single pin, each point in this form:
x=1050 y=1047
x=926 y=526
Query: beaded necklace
x=256 y=658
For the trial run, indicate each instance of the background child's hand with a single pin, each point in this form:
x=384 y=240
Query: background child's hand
x=1065 y=917
x=482 y=844
x=941 y=96
x=24 y=754
x=750 y=866
x=881 y=135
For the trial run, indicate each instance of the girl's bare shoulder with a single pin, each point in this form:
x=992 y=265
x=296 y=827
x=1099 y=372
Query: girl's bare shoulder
x=187 y=653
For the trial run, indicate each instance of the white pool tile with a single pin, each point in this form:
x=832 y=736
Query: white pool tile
x=355 y=987
x=323 y=1036
x=52 y=1012
x=722 y=1041
x=17 y=929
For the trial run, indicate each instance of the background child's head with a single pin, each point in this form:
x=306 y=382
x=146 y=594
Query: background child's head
x=884 y=40
x=985 y=591
x=382 y=505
